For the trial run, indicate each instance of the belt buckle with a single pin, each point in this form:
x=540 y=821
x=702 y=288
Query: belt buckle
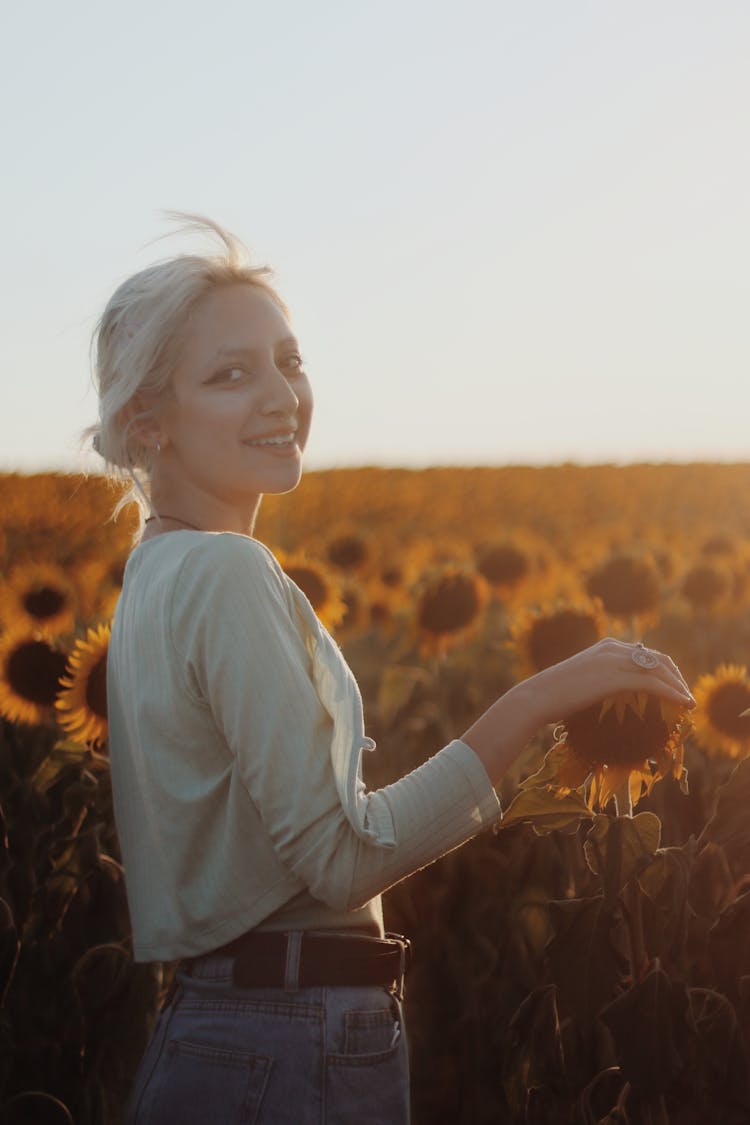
x=404 y=946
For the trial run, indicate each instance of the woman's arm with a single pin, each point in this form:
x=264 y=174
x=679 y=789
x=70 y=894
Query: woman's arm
x=242 y=654
x=498 y=736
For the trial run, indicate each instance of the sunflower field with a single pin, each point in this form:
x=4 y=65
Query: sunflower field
x=586 y=962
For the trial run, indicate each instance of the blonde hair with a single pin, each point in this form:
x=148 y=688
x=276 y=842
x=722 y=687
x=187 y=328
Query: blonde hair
x=136 y=341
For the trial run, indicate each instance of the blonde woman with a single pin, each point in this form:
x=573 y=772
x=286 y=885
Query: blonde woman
x=254 y=856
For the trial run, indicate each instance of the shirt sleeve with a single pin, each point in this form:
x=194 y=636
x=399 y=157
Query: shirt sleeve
x=236 y=635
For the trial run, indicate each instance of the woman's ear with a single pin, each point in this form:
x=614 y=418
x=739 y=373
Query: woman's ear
x=142 y=423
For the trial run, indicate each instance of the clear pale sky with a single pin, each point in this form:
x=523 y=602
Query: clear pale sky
x=508 y=232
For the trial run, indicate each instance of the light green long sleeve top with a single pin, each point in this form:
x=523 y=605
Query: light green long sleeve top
x=236 y=734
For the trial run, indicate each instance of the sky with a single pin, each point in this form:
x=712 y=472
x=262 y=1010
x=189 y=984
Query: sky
x=507 y=232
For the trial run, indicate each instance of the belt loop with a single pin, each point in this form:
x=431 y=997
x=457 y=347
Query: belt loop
x=293 y=955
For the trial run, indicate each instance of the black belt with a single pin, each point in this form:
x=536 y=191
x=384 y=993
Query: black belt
x=261 y=960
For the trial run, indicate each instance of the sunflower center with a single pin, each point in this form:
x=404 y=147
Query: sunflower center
x=33 y=671
x=612 y=742
x=44 y=602
x=96 y=688
x=559 y=636
x=725 y=706
x=626 y=586
x=704 y=585
x=347 y=553
x=453 y=603
x=503 y=565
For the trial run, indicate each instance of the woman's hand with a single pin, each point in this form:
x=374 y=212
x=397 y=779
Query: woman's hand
x=601 y=670
x=604 y=669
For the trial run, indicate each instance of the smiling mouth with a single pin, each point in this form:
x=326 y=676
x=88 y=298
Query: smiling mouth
x=278 y=439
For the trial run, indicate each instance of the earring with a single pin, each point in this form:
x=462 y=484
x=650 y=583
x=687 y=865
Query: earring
x=158 y=447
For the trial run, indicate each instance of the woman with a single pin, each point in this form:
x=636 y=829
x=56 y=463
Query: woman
x=253 y=853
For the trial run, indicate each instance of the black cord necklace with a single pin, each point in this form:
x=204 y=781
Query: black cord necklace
x=176 y=519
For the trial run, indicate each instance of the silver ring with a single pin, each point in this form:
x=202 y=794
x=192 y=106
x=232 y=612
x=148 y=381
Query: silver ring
x=644 y=657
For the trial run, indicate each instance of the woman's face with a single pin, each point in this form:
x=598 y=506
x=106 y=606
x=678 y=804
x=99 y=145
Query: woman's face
x=239 y=416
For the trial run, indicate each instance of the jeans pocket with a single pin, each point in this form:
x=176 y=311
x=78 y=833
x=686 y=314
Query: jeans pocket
x=375 y=1032
x=200 y=1083
x=367 y=1077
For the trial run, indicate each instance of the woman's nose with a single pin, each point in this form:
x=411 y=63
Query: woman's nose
x=279 y=395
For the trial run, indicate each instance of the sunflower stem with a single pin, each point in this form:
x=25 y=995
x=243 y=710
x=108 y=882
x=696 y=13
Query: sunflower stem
x=634 y=917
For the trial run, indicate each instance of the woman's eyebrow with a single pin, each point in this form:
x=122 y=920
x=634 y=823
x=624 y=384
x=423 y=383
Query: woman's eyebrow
x=229 y=350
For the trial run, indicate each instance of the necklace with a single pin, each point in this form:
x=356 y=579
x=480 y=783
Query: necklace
x=176 y=519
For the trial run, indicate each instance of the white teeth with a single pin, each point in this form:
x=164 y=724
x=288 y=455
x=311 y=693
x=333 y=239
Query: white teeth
x=281 y=439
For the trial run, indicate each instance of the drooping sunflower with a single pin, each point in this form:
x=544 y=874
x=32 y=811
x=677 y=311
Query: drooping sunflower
x=546 y=635
x=449 y=607
x=30 y=671
x=617 y=748
x=627 y=584
x=318 y=582
x=81 y=705
x=38 y=596
x=721 y=698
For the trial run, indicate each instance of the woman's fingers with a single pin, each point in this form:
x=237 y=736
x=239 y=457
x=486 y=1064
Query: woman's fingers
x=664 y=672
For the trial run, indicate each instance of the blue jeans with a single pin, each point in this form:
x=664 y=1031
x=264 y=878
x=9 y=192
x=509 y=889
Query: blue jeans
x=223 y=1055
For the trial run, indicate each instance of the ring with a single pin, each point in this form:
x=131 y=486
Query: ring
x=643 y=656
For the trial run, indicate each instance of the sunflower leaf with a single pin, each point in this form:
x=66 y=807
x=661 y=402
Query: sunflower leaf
x=619 y=848
x=653 y=1029
x=533 y=1055
x=720 y=1057
x=730 y=824
x=728 y=946
x=587 y=954
x=546 y=810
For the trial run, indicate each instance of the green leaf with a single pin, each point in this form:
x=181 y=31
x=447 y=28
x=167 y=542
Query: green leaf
x=712 y=886
x=546 y=811
x=652 y=1028
x=722 y=1070
x=729 y=945
x=587 y=954
x=665 y=883
x=9 y=947
x=730 y=824
x=619 y=848
x=533 y=1053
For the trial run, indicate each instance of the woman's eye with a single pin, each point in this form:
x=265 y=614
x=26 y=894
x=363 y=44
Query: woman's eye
x=229 y=375
x=295 y=362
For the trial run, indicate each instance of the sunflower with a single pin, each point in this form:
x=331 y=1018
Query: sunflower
x=504 y=564
x=628 y=585
x=348 y=550
x=720 y=726
x=546 y=635
x=705 y=585
x=318 y=583
x=30 y=671
x=81 y=705
x=39 y=596
x=449 y=606
x=616 y=748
